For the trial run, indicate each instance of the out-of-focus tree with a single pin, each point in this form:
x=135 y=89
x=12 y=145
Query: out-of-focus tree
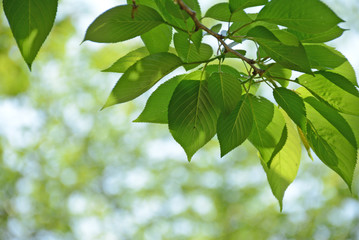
x=70 y=171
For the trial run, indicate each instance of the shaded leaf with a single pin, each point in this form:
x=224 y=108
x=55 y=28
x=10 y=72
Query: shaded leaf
x=293 y=104
x=234 y=128
x=192 y=118
x=225 y=90
x=30 y=22
x=267 y=119
x=282 y=47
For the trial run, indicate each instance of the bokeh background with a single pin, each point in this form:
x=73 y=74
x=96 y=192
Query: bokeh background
x=71 y=171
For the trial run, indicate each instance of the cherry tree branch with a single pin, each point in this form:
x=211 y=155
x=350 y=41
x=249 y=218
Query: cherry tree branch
x=219 y=37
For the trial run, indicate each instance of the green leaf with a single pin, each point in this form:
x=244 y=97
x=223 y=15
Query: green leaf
x=192 y=118
x=234 y=128
x=323 y=57
x=347 y=71
x=225 y=90
x=310 y=16
x=158 y=39
x=293 y=104
x=334 y=89
x=223 y=68
x=334 y=118
x=189 y=53
x=148 y=3
x=282 y=48
x=30 y=22
x=221 y=12
x=285 y=164
x=142 y=76
x=156 y=109
x=330 y=146
x=267 y=119
x=235 y=5
x=353 y=121
x=278 y=73
x=321 y=37
x=122 y=23
x=122 y=64
x=216 y=28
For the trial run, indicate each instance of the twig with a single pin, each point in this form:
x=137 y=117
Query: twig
x=220 y=38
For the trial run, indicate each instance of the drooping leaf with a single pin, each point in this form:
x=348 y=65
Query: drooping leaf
x=142 y=76
x=285 y=164
x=334 y=89
x=158 y=39
x=192 y=118
x=347 y=71
x=236 y=5
x=321 y=37
x=156 y=109
x=30 y=22
x=225 y=90
x=122 y=64
x=282 y=47
x=234 y=128
x=293 y=104
x=122 y=23
x=330 y=146
x=311 y=16
x=323 y=57
x=267 y=119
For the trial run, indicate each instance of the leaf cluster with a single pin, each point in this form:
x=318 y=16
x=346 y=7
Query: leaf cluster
x=213 y=98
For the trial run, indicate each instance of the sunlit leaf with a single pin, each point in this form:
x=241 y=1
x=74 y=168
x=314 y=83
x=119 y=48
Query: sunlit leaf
x=285 y=164
x=30 y=22
x=122 y=23
x=122 y=64
x=142 y=76
x=334 y=89
x=158 y=39
x=323 y=57
x=310 y=16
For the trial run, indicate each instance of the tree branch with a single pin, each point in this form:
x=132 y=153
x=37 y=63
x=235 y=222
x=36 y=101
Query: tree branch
x=219 y=37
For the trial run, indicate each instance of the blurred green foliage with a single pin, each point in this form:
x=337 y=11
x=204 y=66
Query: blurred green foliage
x=70 y=171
